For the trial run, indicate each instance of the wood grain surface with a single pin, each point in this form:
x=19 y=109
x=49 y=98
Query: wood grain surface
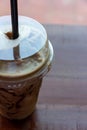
x=62 y=103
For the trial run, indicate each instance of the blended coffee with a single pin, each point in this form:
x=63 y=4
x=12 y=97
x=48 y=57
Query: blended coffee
x=23 y=64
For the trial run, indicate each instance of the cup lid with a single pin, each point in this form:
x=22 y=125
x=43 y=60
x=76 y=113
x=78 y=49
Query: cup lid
x=32 y=38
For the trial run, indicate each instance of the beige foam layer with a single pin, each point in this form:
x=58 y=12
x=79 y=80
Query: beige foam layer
x=25 y=66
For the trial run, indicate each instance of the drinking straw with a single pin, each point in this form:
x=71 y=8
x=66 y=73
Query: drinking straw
x=14 y=18
x=15 y=31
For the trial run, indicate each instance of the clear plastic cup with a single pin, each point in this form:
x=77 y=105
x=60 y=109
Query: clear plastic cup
x=21 y=79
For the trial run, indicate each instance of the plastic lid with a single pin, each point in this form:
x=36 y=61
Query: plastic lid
x=32 y=38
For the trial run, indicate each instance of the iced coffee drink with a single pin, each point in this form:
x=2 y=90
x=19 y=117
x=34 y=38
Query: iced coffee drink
x=23 y=64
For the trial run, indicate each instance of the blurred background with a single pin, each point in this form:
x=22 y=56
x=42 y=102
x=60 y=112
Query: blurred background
x=50 y=11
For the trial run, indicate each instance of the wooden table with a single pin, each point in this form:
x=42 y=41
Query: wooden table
x=62 y=103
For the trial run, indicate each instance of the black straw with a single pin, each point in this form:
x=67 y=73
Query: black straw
x=14 y=17
x=15 y=31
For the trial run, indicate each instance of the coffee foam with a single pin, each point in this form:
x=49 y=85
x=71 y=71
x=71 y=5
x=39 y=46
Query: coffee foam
x=27 y=66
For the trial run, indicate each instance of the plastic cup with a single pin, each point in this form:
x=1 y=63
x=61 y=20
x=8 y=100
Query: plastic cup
x=21 y=79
